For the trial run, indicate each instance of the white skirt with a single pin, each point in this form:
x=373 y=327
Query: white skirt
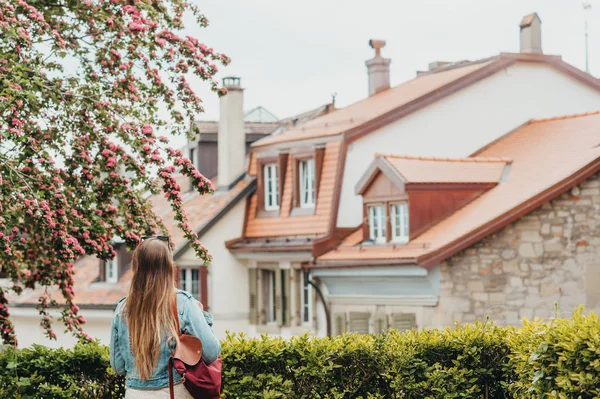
x=179 y=391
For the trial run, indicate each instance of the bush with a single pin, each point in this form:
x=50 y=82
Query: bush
x=41 y=372
x=465 y=362
x=555 y=359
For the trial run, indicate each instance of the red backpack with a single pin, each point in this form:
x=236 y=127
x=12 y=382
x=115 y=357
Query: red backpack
x=203 y=381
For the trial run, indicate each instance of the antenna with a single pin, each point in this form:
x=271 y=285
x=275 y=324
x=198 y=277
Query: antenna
x=333 y=96
x=586 y=8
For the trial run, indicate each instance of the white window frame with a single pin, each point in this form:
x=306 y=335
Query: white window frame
x=377 y=233
x=111 y=270
x=271 y=182
x=307 y=302
x=402 y=220
x=186 y=281
x=306 y=182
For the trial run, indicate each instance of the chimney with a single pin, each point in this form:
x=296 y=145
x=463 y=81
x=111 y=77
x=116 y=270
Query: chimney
x=378 y=69
x=531 y=34
x=231 y=137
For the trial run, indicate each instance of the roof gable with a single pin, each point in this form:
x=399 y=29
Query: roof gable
x=566 y=146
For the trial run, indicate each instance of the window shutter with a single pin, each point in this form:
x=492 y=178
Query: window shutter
x=102 y=275
x=253 y=281
x=204 y=287
x=340 y=323
x=380 y=323
x=359 y=322
x=287 y=306
x=278 y=297
x=298 y=295
x=404 y=321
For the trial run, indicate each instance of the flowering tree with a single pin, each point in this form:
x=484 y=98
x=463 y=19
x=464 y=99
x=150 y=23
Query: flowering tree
x=81 y=84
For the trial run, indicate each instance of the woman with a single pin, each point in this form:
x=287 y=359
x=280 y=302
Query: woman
x=144 y=320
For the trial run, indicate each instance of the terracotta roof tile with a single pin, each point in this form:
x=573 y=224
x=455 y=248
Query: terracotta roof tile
x=448 y=170
x=285 y=225
x=544 y=153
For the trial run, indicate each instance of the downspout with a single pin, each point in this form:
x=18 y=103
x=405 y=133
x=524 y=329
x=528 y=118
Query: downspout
x=307 y=280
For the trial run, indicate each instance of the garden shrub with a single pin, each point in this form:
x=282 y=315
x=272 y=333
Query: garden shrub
x=558 y=358
x=41 y=372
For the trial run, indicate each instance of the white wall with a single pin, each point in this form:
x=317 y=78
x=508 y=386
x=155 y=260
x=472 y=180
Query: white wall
x=462 y=123
x=228 y=276
x=29 y=331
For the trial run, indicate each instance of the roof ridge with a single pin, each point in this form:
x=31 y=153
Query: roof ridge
x=446 y=159
x=568 y=116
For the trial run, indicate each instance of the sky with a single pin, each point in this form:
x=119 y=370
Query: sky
x=293 y=55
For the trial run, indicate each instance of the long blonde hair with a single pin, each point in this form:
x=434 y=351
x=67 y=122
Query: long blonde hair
x=149 y=311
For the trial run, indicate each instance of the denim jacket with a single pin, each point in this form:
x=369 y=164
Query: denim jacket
x=192 y=320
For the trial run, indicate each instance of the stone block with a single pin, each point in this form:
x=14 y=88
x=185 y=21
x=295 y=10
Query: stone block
x=533 y=290
x=553 y=247
x=524 y=266
x=580 y=217
x=475 y=286
x=526 y=250
x=545 y=228
x=557 y=229
x=480 y=296
x=511 y=266
x=590 y=183
x=460 y=288
x=539 y=249
x=548 y=290
x=485 y=272
x=508 y=254
x=497 y=298
x=531 y=236
x=515 y=281
x=588 y=192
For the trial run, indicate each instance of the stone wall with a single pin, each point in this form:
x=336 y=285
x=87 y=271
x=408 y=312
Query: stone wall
x=549 y=258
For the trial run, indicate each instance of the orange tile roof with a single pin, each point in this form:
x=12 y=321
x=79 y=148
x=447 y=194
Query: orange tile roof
x=545 y=155
x=360 y=112
x=448 y=170
x=286 y=225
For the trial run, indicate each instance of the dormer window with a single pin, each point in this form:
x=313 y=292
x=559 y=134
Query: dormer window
x=271 y=184
x=377 y=223
x=399 y=215
x=110 y=270
x=307 y=183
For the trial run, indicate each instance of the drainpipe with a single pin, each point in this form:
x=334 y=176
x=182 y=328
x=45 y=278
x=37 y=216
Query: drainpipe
x=308 y=281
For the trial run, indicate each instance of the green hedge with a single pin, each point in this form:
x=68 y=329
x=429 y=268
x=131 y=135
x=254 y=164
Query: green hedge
x=555 y=359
